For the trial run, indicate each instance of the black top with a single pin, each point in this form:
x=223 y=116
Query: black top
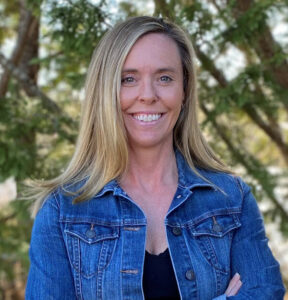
x=159 y=280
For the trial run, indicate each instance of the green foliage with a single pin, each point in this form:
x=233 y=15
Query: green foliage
x=15 y=228
x=71 y=31
x=77 y=26
x=17 y=145
x=8 y=24
x=21 y=121
x=129 y=8
x=248 y=24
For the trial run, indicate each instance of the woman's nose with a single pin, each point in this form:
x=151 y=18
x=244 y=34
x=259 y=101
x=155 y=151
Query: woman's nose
x=148 y=93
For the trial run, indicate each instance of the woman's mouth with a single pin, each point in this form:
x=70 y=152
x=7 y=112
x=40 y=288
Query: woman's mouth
x=147 y=117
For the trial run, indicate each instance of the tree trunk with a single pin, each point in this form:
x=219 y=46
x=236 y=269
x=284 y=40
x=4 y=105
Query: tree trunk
x=28 y=30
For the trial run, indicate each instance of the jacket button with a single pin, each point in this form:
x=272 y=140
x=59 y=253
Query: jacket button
x=217 y=228
x=90 y=233
x=190 y=275
x=177 y=231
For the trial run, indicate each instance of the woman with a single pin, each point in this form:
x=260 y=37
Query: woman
x=143 y=177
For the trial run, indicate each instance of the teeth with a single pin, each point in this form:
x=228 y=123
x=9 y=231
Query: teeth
x=147 y=118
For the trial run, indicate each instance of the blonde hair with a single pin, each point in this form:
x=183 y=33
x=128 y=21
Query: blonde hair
x=101 y=152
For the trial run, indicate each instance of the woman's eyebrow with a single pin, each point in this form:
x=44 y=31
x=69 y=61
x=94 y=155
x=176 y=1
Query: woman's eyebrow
x=160 y=70
x=169 y=69
x=129 y=70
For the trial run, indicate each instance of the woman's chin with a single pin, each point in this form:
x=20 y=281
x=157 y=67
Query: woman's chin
x=150 y=142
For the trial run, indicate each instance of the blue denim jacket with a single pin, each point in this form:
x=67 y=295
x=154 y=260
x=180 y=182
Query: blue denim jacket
x=95 y=249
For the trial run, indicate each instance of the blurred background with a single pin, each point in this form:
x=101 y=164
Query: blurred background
x=45 y=49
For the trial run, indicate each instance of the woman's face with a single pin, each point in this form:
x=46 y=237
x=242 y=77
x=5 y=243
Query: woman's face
x=152 y=91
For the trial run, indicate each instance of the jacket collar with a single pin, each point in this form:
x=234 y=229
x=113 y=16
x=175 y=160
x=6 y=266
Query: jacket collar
x=187 y=178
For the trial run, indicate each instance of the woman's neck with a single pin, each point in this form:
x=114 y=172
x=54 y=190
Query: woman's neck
x=150 y=168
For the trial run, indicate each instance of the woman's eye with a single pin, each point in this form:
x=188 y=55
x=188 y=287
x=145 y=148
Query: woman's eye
x=127 y=79
x=165 y=78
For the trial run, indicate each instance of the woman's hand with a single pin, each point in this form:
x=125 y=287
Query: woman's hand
x=234 y=286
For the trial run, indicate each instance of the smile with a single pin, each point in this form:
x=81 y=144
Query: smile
x=147 y=117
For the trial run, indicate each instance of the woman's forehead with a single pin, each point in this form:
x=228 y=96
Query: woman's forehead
x=154 y=49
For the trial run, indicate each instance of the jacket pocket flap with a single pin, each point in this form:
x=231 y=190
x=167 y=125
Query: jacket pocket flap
x=216 y=226
x=91 y=233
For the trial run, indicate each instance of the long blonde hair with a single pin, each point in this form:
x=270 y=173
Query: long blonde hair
x=101 y=152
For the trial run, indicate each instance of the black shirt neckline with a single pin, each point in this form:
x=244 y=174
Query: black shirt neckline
x=159 y=281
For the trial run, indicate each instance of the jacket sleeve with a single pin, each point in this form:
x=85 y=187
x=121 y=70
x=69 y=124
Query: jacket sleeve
x=50 y=275
x=252 y=258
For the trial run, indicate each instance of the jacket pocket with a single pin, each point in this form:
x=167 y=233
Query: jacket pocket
x=214 y=237
x=90 y=247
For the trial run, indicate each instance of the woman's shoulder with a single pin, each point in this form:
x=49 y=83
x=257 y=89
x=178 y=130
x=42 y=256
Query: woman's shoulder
x=224 y=179
x=228 y=187
x=197 y=175
x=102 y=205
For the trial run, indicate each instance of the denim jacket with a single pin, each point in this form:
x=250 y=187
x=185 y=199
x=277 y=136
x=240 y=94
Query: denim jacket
x=96 y=249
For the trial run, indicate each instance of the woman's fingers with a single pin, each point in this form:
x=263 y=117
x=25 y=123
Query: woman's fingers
x=235 y=289
x=234 y=285
x=232 y=282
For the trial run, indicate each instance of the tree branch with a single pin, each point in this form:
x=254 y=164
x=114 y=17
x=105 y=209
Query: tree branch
x=241 y=158
x=34 y=90
x=27 y=22
x=271 y=131
x=7 y=218
x=29 y=85
x=248 y=108
x=266 y=47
